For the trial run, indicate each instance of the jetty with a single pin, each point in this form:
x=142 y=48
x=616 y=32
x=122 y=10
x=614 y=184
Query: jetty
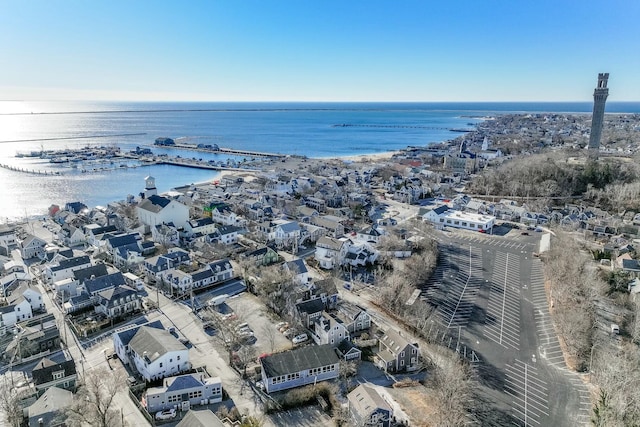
x=362 y=125
x=29 y=171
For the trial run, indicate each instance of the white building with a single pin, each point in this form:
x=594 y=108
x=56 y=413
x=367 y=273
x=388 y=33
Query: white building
x=156 y=210
x=65 y=268
x=182 y=392
x=156 y=354
x=442 y=216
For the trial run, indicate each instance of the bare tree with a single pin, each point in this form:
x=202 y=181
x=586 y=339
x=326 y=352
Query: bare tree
x=94 y=401
x=269 y=333
x=10 y=402
x=245 y=355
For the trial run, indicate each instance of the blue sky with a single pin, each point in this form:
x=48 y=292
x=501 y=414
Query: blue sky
x=304 y=50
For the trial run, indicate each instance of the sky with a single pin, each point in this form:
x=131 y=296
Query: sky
x=318 y=50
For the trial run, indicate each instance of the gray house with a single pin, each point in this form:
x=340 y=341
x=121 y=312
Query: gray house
x=396 y=353
x=368 y=408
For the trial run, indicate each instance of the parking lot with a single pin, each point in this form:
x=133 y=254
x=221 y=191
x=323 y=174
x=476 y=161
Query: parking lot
x=492 y=308
x=502 y=324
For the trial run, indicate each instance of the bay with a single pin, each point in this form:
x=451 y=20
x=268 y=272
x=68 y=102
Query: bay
x=287 y=128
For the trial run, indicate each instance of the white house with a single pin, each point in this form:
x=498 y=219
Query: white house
x=32 y=247
x=156 y=354
x=328 y=329
x=286 y=233
x=182 y=392
x=156 y=210
x=331 y=252
x=65 y=268
x=295 y=368
x=298 y=269
x=17 y=311
x=222 y=214
x=201 y=226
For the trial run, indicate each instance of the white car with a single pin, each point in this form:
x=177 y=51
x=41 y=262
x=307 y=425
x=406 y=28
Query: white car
x=300 y=338
x=167 y=414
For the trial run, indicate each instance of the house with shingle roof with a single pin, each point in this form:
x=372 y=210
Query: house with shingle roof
x=32 y=247
x=368 y=408
x=48 y=373
x=331 y=252
x=118 y=301
x=295 y=368
x=156 y=354
x=48 y=410
x=65 y=267
x=396 y=353
x=204 y=418
x=183 y=392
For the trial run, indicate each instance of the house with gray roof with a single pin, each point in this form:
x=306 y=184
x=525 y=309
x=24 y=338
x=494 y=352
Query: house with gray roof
x=396 y=353
x=65 y=267
x=156 y=354
x=202 y=418
x=118 y=301
x=48 y=410
x=183 y=391
x=295 y=368
x=48 y=373
x=368 y=408
x=156 y=210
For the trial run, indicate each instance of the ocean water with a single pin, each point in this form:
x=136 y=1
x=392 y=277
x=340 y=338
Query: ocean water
x=287 y=128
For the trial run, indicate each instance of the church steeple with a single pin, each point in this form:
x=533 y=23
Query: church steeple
x=150 y=186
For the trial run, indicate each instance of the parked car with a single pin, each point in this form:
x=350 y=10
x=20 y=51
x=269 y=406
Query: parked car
x=167 y=414
x=289 y=333
x=524 y=233
x=300 y=338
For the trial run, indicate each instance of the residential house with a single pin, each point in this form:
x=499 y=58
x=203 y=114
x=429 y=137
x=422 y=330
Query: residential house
x=214 y=272
x=8 y=239
x=121 y=340
x=265 y=255
x=183 y=392
x=49 y=409
x=36 y=336
x=32 y=247
x=348 y=351
x=221 y=213
x=200 y=226
x=117 y=302
x=309 y=310
x=299 y=270
x=328 y=329
x=165 y=234
x=332 y=224
x=155 y=210
x=94 y=233
x=295 y=368
x=368 y=408
x=361 y=255
x=396 y=353
x=201 y=418
x=71 y=235
x=17 y=309
x=48 y=373
x=331 y=252
x=156 y=354
x=287 y=234
x=225 y=235
x=157 y=266
x=72 y=287
x=65 y=267
x=354 y=317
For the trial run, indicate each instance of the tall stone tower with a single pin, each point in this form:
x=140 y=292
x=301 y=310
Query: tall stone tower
x=599 y=98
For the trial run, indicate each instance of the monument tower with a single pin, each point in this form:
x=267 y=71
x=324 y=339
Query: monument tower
x=599 y=98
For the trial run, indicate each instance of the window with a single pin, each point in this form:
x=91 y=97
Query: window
x=402 y=354
x=161 y=364
x=58 y=375
x=195 y=394
x=402 y=362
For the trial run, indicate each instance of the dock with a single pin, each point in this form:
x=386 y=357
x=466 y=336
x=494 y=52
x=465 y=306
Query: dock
x=29 y=171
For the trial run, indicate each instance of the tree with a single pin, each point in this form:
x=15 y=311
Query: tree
x=94 y=401
x=10 y=402
x=245 y=355
x=269 y=333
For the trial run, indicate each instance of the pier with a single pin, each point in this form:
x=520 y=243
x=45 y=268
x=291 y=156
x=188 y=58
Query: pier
x=223 y=150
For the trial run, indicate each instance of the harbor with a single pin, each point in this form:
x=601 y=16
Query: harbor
x=90 y=159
